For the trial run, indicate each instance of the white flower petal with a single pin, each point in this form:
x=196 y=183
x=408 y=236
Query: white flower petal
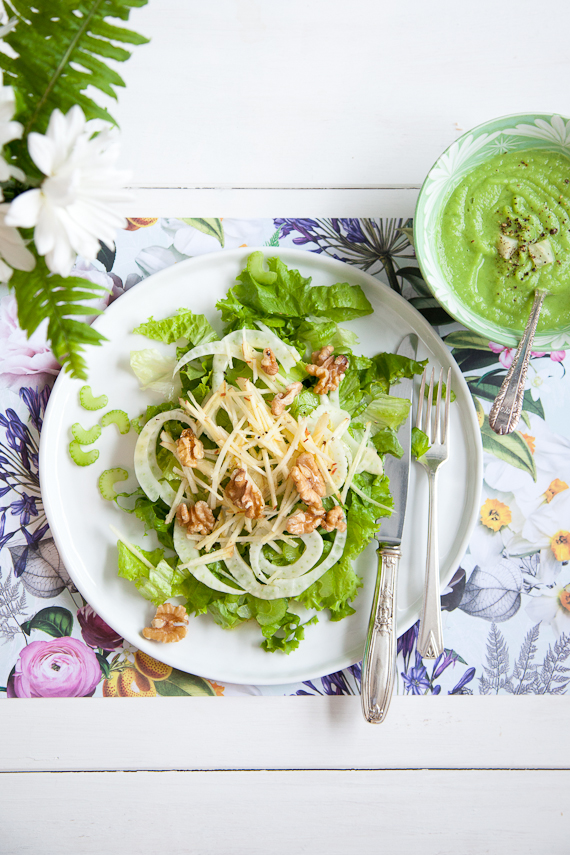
x=5 y=272
x=42 y=151
x=25 y=209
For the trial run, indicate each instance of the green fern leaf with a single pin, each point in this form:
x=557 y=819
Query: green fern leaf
x=42 y=295
x=62 y=49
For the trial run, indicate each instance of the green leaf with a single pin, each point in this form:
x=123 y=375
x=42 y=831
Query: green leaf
x=179 y=684
x=292 y=296
x=212 y=227
x=42 y=295
x=473 y=360
x=532 y=406
x=420 y=443
x=466 y=340
x=107 y=257
x=104 y=665
x=196 y=329
x=511 y=448
x=55 y=621
x=63 y=48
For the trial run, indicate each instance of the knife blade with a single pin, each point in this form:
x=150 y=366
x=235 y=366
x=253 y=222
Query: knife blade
x=379 y=662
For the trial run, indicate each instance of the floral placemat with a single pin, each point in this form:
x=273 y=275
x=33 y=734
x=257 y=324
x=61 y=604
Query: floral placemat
x=506 y=612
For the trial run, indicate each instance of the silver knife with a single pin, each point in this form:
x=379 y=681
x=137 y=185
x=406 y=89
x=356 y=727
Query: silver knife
x=379 y=663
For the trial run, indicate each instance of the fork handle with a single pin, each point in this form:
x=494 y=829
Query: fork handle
x=430 y=639
x=379 y=664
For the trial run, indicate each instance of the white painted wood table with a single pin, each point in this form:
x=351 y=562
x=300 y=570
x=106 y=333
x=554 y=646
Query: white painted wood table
x=244 y=108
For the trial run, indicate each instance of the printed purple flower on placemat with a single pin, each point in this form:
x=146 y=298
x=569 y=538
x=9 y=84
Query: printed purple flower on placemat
x=95 y=631
x=60 y=668
x=416 y=680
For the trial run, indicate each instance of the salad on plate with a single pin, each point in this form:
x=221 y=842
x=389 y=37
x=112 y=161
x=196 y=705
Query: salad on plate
x=261 y=468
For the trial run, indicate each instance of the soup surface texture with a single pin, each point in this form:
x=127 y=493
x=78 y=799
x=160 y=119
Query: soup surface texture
x=504 y=232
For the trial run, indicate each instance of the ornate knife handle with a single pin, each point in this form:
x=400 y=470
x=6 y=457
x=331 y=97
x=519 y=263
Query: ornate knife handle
x=379 y=663
x=506 y=410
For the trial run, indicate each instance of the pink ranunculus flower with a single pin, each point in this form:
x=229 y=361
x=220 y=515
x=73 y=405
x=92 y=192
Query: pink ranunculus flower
x=95 y=632
x=21 y=356
x=60 y=668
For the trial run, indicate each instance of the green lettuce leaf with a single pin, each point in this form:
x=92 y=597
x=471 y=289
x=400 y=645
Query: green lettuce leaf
x=155 y=585
x=385 y=441
x=420 y=443
x=389 y=368
x=320 y=333
x=196 y=329
x=387 y=411
x=291 y=295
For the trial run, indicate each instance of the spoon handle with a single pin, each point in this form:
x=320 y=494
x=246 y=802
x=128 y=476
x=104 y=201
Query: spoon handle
x=507 y=407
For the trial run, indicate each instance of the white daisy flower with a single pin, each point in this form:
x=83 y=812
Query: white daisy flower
x=13 y=252
x=9 y=130
x=76 y=206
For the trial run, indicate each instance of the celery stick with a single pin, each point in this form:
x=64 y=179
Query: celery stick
x=88 y=402
x=119 y=418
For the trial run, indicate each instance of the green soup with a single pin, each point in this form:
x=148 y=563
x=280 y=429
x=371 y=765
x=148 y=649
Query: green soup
x=504 y=232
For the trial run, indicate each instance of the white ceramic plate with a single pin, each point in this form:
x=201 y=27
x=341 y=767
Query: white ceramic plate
x=80 y=518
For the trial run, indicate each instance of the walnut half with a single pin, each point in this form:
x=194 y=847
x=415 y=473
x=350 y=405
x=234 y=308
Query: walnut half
x=308 y=480
x=245 y=494
x=328 y=369
x=189 y=448
x=269 y=363
x=304 y=522
x=283 y=399
x=334 y=519
x=168 y=625
x=197 y=519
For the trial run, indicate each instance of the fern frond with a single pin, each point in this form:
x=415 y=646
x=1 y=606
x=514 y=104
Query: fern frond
x=62 y=49
x=42 y=295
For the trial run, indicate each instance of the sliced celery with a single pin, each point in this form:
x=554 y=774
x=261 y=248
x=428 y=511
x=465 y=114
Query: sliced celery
x=88 y=402
x=107 y=479
x=119 y=418
x=83 y=436
x=256 y=270
x=82 y=458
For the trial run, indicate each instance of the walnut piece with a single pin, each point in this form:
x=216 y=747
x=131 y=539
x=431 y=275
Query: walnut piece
x=197 y=519
x=328 y=369
x=268 y=362
x=283 y=399
x=308 y=480
x=190 y=449
x=168 y=624
x=245 y=494
x=304 y=522
x=334 y=519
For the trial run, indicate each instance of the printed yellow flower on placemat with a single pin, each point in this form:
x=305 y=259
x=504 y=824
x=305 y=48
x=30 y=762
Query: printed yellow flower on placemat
x=560 y=545
x=564 y=599
x=530 y=441
x=555 y=487
x=495 y=514
x=219 y=690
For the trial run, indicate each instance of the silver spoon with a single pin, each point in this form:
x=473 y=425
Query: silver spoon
x=507 y=407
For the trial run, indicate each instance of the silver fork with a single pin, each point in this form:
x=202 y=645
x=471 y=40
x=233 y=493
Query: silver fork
x=430 y=640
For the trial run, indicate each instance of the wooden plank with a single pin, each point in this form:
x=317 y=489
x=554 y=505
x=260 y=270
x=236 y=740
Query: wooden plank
x=245 y=93
x=283 y=733
x=252 y=813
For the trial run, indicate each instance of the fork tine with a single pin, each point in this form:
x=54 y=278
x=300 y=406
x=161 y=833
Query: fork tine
x=421 y=401
x=447 y=402
x=437 y=428
x=428 y=419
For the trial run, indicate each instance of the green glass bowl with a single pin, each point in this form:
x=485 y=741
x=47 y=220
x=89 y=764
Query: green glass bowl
x=509 y=133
